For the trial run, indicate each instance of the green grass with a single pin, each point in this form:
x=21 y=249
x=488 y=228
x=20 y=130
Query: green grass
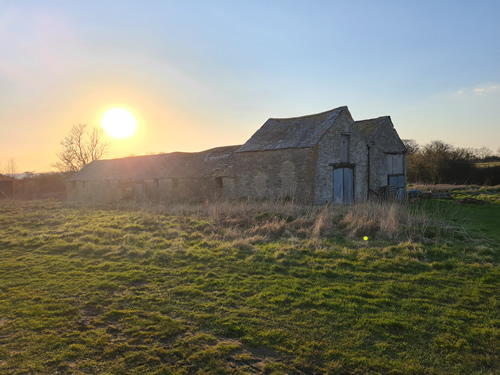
x=478 y=220
x=487 y=194
x=105 y=290
x=488 y=164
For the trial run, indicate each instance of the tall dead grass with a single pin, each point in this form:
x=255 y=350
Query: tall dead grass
x=368 y=218
x=278 y=219
x=391 y=220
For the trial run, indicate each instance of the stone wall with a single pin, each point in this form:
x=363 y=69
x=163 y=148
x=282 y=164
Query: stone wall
x=386 y=141
x=328 y=151
x=282 y=174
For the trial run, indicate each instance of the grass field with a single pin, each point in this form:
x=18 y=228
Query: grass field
x=488 y=164
x=262 y=289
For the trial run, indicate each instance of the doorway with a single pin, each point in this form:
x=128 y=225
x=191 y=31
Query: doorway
x=343 y=185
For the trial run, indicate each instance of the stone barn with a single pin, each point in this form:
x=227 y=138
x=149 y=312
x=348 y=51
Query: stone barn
x=320 y=158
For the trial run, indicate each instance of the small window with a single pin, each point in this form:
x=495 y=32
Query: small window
x=344 y=147
x=395 y=164
x=175 y=183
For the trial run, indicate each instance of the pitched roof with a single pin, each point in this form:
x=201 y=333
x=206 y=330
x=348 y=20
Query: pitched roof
x=296 y=132
x=175 y=164
x=215 y=162
x=132 y=167
x=368 y=128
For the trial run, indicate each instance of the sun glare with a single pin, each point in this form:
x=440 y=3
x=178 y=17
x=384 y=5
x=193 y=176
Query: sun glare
x=119 y=123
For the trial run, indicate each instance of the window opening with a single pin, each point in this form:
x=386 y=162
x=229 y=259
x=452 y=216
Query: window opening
x=344 y=147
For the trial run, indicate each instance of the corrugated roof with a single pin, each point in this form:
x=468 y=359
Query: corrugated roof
x=296 y=132
x=369 y=127
x=176 y=164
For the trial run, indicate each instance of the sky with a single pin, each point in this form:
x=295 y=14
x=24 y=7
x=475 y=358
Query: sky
x=202 y=74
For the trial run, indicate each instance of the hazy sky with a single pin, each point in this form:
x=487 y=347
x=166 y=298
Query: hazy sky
x=200 y=74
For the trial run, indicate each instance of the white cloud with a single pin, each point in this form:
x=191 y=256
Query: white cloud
x=479 y=90
x=486 y=89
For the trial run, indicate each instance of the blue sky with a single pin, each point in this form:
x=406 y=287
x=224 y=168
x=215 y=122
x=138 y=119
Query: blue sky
x=200 y=74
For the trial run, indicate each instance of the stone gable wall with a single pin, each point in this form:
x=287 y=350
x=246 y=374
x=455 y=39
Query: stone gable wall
x=328 y=151
x=385 y=140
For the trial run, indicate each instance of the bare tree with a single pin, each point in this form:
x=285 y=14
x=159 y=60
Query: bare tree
x=411 y=145
x=483 y=153
x=11 y=167
x=80 y=147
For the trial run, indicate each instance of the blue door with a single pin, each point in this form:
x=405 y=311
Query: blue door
x=399 y=182
x=343 y=185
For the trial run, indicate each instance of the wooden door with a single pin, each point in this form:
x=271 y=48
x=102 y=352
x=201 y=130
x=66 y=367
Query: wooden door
x=343 y=185
x=399 y=182
x=396 y=174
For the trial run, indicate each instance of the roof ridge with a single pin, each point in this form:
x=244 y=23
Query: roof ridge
x=374 y=118
x=344 y=107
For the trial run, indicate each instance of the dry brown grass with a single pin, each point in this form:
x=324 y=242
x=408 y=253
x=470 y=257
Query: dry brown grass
x=368 y=218
x=271 y=220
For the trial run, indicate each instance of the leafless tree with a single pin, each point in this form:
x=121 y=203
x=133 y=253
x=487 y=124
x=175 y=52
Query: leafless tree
x=80 y=147
x=11 y=167
x=411 y=145
x=483 y=153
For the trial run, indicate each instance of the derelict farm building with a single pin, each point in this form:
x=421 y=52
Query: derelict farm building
x=320 y=158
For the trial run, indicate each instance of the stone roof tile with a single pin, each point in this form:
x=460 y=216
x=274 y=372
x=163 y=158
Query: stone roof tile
x=216 y=161
x=295 y=132
x=369 y=127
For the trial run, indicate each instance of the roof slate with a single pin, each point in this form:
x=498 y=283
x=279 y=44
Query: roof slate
x=176 y=164
x=369 y=127
x=296 y=132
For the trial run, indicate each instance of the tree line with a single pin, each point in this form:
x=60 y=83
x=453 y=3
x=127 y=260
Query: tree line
x=439 y=162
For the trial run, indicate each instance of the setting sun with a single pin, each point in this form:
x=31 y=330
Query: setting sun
x=119 y=123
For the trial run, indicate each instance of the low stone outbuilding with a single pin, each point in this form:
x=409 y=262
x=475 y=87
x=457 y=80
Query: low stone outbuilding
x=320 y=158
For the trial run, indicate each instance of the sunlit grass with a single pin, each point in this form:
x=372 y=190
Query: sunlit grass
x=240 y=288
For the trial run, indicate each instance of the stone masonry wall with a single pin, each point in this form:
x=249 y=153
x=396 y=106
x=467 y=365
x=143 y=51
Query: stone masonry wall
x=287 y=173
x=386 y=140
x=328 y=151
